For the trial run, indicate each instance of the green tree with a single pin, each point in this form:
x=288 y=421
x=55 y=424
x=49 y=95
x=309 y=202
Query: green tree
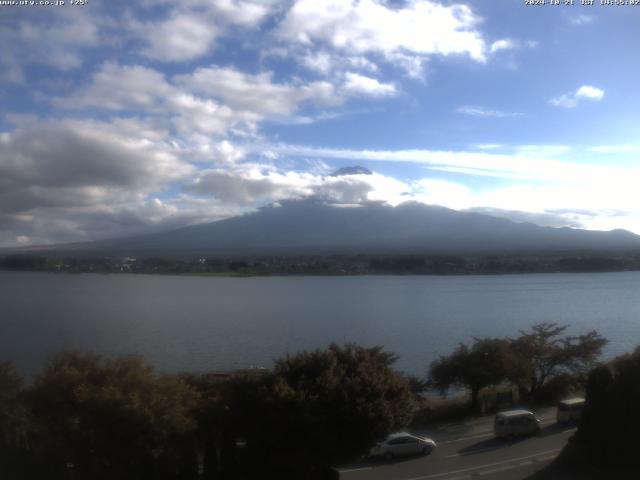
x=486 y=362
x=106 y=419
x=547 y=354
x=322 y=407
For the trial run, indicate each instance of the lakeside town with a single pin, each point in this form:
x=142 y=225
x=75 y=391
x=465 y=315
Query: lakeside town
x=504 y=263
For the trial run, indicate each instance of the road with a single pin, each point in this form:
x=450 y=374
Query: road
x=472 y=454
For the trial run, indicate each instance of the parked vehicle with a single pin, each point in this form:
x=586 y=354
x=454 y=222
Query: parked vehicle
x=402 y=444
x=514 y=423
x=570 y=410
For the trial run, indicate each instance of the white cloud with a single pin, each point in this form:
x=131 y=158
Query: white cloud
x=57 y=38
x=573 y=205
x=120 y=87
x=541 y=151
x=215 y=101
x=325 y=62
x=476 y=111
x=528 y=162
x=591 y=93
x=224 y=152
x=320 y=93
x=195 y=115
x=309 y=119
x=87 y=154
x=552 y=218
x=356 y=84
x=615 y=149
x=413 y=66
x=572 y=100
x=190 y=29
x=241 y=91
x=230 y=99
x=247 y=13
x=566 y=100
x=321 y=62
x=149 y=91
x=504 y=44
x=70 y=180
x=57 y=176
x=419 y=28
x=488 y=146
x=361 y=63
x=441 y=192
x=179 y=38
x=581 y=19
x=259 y=97
x=248 y=184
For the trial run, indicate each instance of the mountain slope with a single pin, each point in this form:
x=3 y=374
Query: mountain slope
x=312 y=227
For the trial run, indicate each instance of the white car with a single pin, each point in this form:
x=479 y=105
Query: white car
x=402 y=444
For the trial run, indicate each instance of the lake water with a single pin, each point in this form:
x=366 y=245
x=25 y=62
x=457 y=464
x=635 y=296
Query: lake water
x=210 y=323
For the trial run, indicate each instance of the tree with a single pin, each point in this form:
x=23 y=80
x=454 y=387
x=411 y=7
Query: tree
x=13 y=421
x=321 y=407
x=608 y=430
x=486 y=362
x=214 y=435
x=547 y=354
x=109 y=418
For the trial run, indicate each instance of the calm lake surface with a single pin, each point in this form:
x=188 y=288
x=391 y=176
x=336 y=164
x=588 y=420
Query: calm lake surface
x=210 y=323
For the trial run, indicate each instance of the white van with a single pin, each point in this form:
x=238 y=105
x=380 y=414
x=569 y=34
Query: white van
x=570 y=410
x=513 y=423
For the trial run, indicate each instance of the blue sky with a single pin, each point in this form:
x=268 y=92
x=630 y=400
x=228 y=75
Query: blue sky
x=119 y=118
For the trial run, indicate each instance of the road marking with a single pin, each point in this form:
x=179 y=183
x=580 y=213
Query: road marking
x=349 y=470
x=544 y=459
x=521 y=464
x=497 y=470
x=453 y=472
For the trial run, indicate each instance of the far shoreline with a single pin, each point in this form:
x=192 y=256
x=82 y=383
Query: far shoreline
x=302 y=274
x=346 y=264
